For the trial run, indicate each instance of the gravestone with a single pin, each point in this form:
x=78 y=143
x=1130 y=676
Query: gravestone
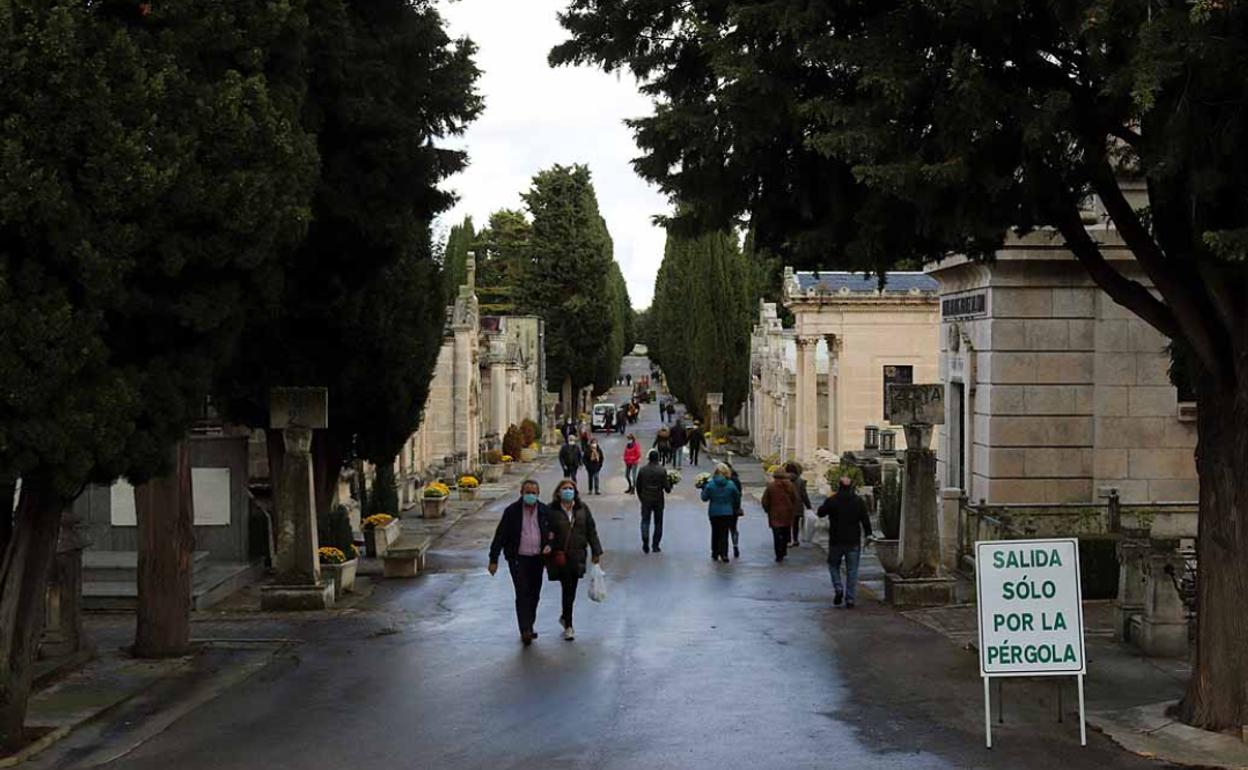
x=919 y=581
x=298 y=585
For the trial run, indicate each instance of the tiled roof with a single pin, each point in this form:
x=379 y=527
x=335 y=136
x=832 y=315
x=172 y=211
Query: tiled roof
x=895 y=283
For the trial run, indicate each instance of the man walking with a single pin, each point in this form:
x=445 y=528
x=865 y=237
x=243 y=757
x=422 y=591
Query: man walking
x=679 y=438
x=846 y=513
x=652 y=486
x=697 y=440
x=570 y=457
x=522 y=536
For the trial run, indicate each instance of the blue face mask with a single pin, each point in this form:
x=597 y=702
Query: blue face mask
x=529 y=498
x=567 y=495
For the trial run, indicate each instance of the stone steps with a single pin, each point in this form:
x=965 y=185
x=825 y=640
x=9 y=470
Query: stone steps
x=110 y=580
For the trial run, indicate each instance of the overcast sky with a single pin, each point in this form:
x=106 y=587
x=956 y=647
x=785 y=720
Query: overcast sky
x=536 y=117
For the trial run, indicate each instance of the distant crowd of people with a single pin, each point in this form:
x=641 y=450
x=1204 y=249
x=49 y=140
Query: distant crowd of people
x=560 y=538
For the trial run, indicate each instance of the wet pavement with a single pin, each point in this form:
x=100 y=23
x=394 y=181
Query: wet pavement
x=689 y=664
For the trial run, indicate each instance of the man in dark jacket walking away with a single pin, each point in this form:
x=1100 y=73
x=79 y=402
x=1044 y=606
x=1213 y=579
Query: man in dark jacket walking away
x=795 y=473
x=846 y=513
x=570 y=457
x=679 y=438
x=523 y=536
x=697 y=440
x=652 y=486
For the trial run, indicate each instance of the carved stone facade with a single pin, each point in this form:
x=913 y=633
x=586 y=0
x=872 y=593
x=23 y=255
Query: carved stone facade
x=817 y=386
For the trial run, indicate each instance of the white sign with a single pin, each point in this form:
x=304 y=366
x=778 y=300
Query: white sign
x=210 y=493
x=1030 y=615
x=1030 y=612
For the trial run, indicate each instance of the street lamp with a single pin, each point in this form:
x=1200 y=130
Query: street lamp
x=872 y=439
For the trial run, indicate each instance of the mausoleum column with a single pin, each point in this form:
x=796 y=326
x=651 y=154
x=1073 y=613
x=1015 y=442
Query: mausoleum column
x=498 y=387
x=834 y=423
x=807 y=391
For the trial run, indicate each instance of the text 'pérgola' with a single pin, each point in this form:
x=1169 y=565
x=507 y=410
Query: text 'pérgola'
x=1026 y=589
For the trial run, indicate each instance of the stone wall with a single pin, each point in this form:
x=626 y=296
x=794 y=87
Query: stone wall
x=1065 y=391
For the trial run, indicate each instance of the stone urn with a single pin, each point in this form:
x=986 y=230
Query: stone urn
x=493 y=472
x=343 y=575
x=467 y=493
x=509 y=468
x=433 y=507
x=528 y=454
x=378 y=539
x=889 y=553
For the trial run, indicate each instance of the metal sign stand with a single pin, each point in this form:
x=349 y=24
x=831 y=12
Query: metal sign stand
x=1083 y=721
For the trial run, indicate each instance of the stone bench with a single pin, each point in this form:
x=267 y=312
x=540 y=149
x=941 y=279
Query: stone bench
x=406 y=557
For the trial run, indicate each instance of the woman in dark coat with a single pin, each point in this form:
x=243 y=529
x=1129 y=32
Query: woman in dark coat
x=594 y=460
x=573 y=532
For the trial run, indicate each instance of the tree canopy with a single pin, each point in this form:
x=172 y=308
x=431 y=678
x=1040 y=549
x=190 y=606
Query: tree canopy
x=363 y=303
x=828 y=125
x=574 y=283
x=701 y=320
x=459 y=242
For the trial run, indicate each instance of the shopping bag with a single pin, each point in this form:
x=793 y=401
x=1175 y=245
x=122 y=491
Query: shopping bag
x=597 y=583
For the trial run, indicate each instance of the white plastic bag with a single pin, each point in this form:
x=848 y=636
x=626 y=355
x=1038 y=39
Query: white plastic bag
x=597 y=583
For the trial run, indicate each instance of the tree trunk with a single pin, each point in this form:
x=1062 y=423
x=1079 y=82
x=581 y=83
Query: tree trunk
x=24 y=572
x=1217 y=694
x=165 y=512
x=327 y=459
x=8 y=492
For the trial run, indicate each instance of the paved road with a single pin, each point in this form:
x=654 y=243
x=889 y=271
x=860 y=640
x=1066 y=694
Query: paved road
x=690 y=664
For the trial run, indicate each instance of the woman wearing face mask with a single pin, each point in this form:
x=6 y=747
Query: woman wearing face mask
x=593 y=465
x=572 y=530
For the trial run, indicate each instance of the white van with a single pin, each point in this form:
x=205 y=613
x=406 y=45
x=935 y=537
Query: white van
x=603 y=417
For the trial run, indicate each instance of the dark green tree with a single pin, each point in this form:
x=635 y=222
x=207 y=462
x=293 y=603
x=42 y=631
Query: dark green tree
x=503 y=262
x=362 y=308
x=455 y=255
x=828 y=124
x=569 y=280
x=701 y=312
x=154 y=172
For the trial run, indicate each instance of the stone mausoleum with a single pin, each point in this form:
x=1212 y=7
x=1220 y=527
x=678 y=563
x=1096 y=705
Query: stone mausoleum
x=1054 y=392
x=815 y=387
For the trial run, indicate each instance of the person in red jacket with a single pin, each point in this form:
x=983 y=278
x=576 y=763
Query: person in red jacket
x=632 y=458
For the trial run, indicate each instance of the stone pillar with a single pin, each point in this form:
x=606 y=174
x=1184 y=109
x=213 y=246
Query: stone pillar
x=920 y=581
x=807 y=391
x=498 y=387
x=1132 y=584
x=834 y=412
x=1164 y=631
x=920 y=535
x=63 y=634
x=298 y=584
x=950 y=512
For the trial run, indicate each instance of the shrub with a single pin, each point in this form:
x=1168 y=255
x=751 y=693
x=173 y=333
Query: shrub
x=385 y=495
x=338 y=532
x=513 y=442
x=890 y=507
x=852 y=471
x=377 y=520
x=435 y=490
x=530 y=431
x=493 y=457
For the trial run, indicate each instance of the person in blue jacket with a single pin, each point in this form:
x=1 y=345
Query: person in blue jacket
x=724 y=500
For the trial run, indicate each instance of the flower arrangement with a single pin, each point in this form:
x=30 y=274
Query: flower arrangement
x=721 y=441
x=701 y=480
x=330 y=555
x=468 y=482
x=508 y=459
x=377 y=520
x=435 y=490
x=673 y=477
x=535 y=445
x=772 y=469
